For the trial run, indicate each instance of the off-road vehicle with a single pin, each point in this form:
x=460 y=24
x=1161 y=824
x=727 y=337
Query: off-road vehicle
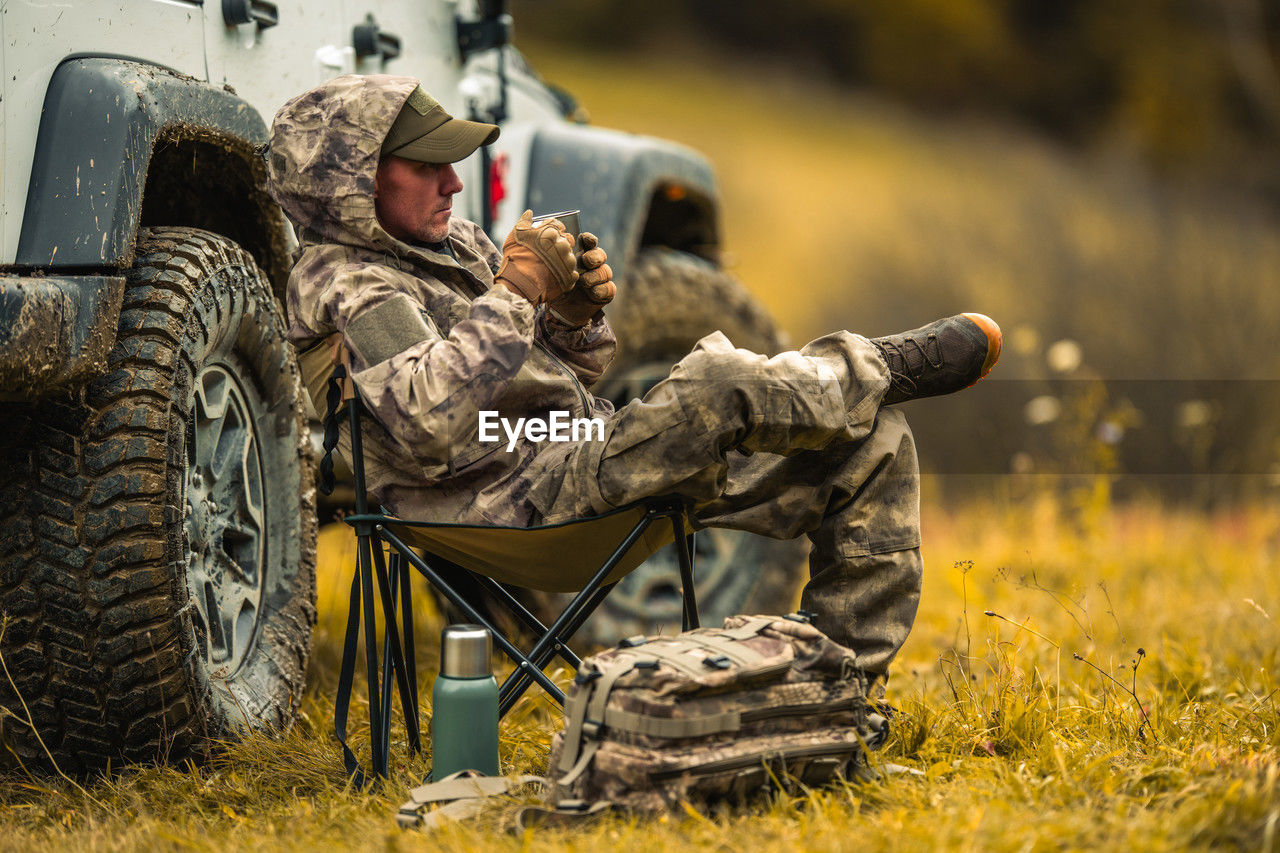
x=157 y=497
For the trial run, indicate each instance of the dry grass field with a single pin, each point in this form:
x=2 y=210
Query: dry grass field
x=1023 y=746
x=1082 y=675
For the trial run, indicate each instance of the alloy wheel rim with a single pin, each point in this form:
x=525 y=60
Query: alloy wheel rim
x=225 y=521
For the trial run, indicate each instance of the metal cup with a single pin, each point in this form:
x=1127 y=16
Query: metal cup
x=569 y=219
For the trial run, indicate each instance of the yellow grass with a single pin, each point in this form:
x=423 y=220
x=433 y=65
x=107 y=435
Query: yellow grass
x=1022 y=746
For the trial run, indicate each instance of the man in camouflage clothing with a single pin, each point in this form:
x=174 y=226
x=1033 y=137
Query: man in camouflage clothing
x=438 y=325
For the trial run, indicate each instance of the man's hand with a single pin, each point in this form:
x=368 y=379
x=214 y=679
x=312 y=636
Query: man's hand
x=537 y=260
x=595 y=286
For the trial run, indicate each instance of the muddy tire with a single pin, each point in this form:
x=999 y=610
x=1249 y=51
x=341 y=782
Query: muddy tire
x=157 y=560
x=736 y=572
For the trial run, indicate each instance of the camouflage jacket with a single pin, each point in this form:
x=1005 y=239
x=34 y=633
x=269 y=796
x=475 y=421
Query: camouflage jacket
x=432 y=342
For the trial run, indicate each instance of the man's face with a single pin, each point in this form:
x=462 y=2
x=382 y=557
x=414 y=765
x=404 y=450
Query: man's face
x=414 y=200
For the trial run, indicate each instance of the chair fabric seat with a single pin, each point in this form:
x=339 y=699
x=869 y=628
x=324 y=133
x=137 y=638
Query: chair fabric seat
x=550 y=558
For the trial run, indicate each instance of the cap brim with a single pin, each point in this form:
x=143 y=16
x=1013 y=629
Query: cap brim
x=452 y=141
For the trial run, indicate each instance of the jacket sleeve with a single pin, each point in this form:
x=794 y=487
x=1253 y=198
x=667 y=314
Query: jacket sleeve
x=425 y=388
x=588 y=350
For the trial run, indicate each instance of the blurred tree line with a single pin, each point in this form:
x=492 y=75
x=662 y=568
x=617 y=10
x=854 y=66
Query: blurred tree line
x=1189 y=86
x=1161 y=292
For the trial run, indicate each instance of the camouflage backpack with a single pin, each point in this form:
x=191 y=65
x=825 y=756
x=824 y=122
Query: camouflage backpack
x=711 y=713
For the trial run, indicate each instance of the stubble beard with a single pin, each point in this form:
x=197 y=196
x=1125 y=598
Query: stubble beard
x=433 y=233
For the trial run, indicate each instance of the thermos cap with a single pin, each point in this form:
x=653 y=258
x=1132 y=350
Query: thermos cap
x=465 y=651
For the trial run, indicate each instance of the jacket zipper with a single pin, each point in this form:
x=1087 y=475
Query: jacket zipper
x=754 y=760
x=577 y=384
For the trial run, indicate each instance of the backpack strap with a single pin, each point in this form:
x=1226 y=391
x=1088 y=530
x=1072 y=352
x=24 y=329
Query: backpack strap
x=672 y=727
x=465 y=793
x=733 y=649
x=675 y=651
x=580 y=741
x=566 y=813
x=751 y=628
x=672 y=651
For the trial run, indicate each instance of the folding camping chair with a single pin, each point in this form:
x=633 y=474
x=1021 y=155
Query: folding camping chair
x=592 y=555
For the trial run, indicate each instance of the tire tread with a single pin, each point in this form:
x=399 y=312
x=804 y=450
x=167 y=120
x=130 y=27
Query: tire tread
x=94 y=637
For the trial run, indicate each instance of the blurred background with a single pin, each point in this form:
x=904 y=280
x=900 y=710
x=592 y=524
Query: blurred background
x=1101 y=178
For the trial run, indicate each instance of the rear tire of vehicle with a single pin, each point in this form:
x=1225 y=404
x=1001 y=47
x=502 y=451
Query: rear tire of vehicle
x=668 y=302
x=157 y=564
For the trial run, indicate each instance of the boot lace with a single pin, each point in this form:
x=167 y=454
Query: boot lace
x=928 y=354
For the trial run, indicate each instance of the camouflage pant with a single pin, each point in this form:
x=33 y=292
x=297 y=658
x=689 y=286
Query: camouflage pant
x=776 y=446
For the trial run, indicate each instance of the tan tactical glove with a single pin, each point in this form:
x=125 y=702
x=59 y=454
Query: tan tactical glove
x=537 y=260
x=595 y=285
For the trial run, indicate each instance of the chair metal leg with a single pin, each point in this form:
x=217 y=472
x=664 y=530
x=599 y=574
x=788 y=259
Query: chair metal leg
x=522 y=613
x=410 y=656
x=582 y=606
x=585 y=613
x=538 y=657
x=364 y=560
x=684 y=552
x=393 y=656
x=462 y=604
x=346 y=676
x=388 y=663
x=514 y=690
x=364 y=568
x=690 y=593
x=385 y=697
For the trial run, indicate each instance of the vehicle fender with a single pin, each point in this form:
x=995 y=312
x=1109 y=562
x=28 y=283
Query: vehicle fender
x=612 y=177
x=100 y=122
x=55 y=331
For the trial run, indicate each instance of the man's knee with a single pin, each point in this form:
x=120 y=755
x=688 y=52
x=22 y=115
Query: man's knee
x=778 y=404
x=881 y=478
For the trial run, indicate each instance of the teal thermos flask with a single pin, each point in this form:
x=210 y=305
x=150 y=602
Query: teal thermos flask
x=464 y=704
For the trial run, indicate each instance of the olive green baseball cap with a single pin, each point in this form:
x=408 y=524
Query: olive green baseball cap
x=425 y=132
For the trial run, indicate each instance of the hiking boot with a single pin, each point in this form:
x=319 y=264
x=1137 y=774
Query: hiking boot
x=939 y=358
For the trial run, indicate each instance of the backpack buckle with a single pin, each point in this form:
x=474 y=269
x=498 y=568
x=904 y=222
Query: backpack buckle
x=586 y=677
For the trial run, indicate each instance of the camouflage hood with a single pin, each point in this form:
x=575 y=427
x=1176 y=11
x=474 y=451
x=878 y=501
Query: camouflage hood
x=325 y=146
x=430 y=341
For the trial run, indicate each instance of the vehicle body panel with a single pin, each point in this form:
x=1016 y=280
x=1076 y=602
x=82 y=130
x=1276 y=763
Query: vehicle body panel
x=39 y=37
